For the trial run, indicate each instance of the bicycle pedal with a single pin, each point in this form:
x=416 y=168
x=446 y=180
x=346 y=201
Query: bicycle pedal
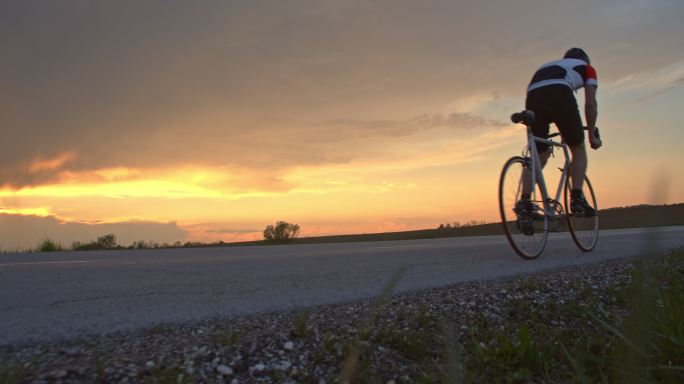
x=525 y=226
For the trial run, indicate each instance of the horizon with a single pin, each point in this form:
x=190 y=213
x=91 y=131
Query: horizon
x=130 y=233
x=171 y=121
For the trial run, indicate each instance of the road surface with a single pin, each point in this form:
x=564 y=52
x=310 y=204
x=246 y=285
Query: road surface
x=47 y=296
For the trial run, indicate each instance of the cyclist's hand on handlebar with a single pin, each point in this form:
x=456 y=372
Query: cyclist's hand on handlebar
x=595 y=140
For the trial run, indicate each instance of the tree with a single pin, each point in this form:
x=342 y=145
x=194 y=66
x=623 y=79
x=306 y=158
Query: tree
x=107 y=241
x=280 y=232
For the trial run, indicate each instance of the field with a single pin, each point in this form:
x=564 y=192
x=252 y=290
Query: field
x=613 y=218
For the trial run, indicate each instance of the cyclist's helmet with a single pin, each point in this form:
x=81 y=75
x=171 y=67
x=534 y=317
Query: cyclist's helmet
x=577 y=53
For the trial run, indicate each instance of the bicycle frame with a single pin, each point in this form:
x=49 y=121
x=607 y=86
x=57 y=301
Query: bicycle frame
x=537 y=171
x=524 y=174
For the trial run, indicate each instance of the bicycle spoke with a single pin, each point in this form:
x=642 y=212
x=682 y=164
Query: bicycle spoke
x=584 y=230
x=527 y=236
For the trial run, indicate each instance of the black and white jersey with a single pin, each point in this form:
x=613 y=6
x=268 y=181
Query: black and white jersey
x=574 y=73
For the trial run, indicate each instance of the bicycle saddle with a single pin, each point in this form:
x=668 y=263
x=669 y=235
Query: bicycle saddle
x=526 y=117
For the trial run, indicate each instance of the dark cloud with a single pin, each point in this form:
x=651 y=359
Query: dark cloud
x=25 y=231
x=394 y=128
x=233 y=231
x=162 y=83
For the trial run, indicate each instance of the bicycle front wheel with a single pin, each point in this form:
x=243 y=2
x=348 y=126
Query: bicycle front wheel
x=584 y=230
x=527 y=237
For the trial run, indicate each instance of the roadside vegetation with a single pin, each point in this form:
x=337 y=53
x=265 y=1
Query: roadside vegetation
x=280 y=233
x=629 y=332
x=104 y=242
x=47 y=245
x=633 y=332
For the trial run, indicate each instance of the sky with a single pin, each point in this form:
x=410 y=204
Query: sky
x=208 y=120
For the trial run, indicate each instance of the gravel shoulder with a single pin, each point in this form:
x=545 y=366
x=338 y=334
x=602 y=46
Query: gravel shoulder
x=421 y=336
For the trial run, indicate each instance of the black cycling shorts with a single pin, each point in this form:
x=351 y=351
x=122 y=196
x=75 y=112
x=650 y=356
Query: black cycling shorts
x=555 y=104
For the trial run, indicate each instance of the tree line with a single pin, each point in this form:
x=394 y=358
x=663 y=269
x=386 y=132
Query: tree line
x=280 y=232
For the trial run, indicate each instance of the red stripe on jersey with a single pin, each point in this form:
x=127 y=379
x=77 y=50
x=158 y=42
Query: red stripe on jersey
x=591 y=73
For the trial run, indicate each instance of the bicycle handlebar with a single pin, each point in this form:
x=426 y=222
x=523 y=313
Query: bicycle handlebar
x=596 y=133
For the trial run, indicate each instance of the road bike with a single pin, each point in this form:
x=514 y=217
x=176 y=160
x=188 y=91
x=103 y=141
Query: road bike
x=528 y=236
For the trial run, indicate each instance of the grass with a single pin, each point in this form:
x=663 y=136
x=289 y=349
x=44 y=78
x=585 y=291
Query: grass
x=411 y=338
x=356 y=362
x=167 y=374
x=651 y=343
x=300 y=320
x=646 y=346
x=229 y=337
x=48 y=245
x=632 y=332
x=10 y=375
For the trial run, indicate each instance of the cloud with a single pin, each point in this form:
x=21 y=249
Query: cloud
x=39 y=170
x=233 y=84
x=25 y=231
x=250 y=160
x=674 y=85
x=232 y=231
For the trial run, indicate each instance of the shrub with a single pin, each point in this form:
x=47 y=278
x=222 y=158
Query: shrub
x=103 y=242
x=48 y=245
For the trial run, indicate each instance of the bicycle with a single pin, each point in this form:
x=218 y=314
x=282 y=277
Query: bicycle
x=528 y=236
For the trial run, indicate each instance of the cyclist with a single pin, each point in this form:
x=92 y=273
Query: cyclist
x=550 y=97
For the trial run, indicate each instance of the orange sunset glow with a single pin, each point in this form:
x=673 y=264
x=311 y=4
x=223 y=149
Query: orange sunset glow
x=202 y=121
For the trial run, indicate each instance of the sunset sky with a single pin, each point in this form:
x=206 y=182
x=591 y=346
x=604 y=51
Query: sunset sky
x=207 y=120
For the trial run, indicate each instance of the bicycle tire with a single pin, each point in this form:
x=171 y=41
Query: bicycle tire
x=584 y=230
x=510 y=190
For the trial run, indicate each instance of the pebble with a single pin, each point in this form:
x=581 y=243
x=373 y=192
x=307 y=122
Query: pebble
x=283 y=366
x=266 y=343
x=72 y=352
x=224 y=370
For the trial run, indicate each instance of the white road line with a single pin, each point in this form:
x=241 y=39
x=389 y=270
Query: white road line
x=44 y=262
x=402 y=246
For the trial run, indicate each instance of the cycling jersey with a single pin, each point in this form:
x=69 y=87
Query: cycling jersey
x=574 y=73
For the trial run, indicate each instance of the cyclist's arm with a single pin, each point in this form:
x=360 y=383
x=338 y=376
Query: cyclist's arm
x=590 y=107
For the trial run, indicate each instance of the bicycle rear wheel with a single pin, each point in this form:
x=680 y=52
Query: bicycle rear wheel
x=527 y=243
x=584 y=230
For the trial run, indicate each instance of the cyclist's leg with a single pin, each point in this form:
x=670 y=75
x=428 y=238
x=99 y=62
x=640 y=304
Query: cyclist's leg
x=538 y=102
x=578 y=166
x=569 y=124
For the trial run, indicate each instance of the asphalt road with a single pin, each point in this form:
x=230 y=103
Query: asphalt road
x=47 y=296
